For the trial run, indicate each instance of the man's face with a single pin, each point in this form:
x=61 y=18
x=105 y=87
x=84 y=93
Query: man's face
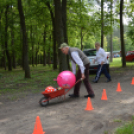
x=97 y=47
x=64 y=50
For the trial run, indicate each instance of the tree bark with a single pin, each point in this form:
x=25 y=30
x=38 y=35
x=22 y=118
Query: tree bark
x=31 y=36
x=37 y=50
x=3 y=59
x=81 y=39
x=60 y=35
x=111 y=35
x=122 y=34
x=6 y=41
x=64 y=20
x=111 y=47
x=13 y=50
x=102 y=24
x=44 y=53
x=12 y=43
x=54 y=37
x=25 y=43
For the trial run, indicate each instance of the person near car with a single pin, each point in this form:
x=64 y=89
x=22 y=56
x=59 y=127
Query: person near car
x=79 y=58
x=101 y=59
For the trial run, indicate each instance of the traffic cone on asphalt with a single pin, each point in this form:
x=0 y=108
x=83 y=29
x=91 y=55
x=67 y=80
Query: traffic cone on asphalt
x=38 y=127
x=104 y=95
x=89 y=105
x=132 y=81
x=118 y=88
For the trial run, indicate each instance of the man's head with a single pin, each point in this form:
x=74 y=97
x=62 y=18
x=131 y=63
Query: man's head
x=97 y=45
x=64 y=48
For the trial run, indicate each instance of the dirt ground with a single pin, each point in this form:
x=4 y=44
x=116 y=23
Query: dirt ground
x=69 y=116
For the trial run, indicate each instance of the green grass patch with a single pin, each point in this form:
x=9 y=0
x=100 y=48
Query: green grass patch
x=13 y=82
x=128 y=128
x=105 y=132
x=117 y=120
x=118 y=63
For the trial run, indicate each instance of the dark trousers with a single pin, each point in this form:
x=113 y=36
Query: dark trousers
x=102 y=69
x=86 y=81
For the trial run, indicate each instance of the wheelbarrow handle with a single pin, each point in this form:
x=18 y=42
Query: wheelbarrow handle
x=78 y=81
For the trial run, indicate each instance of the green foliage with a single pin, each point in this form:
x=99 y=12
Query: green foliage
x=83 y=26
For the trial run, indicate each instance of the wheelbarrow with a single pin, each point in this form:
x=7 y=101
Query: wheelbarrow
x=44 y=101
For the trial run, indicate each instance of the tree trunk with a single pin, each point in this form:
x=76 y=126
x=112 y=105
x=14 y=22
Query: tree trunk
x=44 y=58
x=111 y=47
x=59 y=35
x=13 y=51
x=25 y=43
x=21 y=59
x=37 y=50
x=3 y=59
x=6 y=41
x=111 y=35
x=36 y=56
x=122 y=34
x=81 y=39
x=102 y=24
x=54 y=37
x=31 y=32
x=44 y=53
x=64 y=20
x=12 y=42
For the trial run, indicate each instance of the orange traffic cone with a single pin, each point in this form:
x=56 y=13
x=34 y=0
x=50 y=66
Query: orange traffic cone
x=118 y=88
x=89 y=105
x=38 y=127
x=104 y=95
x=132 y=81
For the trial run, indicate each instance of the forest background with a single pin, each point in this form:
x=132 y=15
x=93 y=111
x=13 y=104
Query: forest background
x=32 y=30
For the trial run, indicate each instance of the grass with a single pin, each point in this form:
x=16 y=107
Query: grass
x=105 y=132
x=117 y=120
x=128 y=128
x=14 y=84
x=117 y=63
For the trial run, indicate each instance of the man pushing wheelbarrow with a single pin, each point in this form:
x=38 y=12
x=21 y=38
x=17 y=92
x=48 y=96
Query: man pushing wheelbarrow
x=66 y=79
x=79 y=58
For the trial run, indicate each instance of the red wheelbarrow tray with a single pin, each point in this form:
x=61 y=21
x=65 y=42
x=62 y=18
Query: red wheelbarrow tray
x=57 y=93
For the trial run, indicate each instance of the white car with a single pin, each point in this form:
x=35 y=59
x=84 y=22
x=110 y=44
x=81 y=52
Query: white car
x=91 y=53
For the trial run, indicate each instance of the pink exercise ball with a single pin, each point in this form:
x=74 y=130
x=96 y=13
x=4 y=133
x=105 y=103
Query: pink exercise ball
x=66 y=79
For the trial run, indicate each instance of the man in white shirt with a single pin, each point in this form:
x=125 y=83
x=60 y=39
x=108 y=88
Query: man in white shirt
x=101 y=59
x=79 y=58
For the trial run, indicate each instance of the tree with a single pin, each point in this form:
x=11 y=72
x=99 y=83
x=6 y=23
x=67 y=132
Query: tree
x=122 y=34
x=6 y=40
x=102 y=24
x=60 y=35
x=54 y=36
x=25 y=43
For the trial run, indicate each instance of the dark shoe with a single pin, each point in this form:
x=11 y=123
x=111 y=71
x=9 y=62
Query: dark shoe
x=94 y=81
x=109 y=80
x=90 y=95
x=73 y=95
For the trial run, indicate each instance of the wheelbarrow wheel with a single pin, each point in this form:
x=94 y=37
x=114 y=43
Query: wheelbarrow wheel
x=43 y=101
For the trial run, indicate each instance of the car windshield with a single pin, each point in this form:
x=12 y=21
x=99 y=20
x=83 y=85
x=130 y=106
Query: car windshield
x=90 y=53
